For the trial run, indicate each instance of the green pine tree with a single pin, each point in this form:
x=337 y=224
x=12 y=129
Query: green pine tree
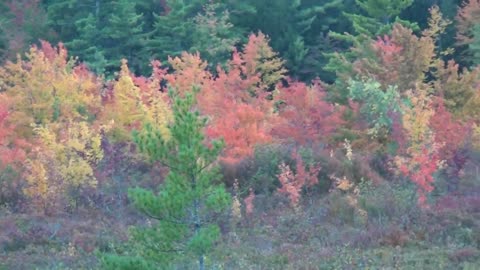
x=80 y=25
x=290 y=25
x=215 y=36
x=87 y=44
x=202 y=26
x=125 y=37
x=187 y=205
x=474 y=47
x=101 y=32
x=3 y=35
x=173 y=30
x=63 y=15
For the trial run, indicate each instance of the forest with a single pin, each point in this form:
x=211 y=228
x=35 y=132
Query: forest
x=239 y=134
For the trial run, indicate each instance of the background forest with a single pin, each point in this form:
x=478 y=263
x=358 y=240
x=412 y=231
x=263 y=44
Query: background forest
x=228 y=134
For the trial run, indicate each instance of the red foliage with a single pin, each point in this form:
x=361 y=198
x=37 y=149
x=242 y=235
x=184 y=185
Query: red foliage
x=57 y=55
x=426 y=164
x=236 y=99
x=293 y=183
x=239 y=111
x=450 y=134
x=423 y=177
x=386 y=49
x=305 y=116
x=153 y=84
x=242 y=127
x=11 y=148
x=385 y=63
x=308 y=177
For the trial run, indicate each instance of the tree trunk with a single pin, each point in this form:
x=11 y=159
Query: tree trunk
x=201 y=263
x=197 y=222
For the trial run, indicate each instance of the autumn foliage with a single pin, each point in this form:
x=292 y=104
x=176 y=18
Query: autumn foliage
x=305 y=117
x=293 y=183
x=66 y=111
x=12 y=148
x=227 y=134
x=468 y=15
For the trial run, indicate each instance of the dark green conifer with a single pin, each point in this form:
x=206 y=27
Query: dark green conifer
x=186 y=207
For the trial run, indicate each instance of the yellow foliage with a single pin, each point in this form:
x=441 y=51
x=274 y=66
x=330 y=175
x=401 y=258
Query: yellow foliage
x=352 y=192
x=37 y=180
x=260 y=58
x=416 y=119
x=133 y=107
x=63 y=161
x=342 y=183
x=415 y=59
x=436 y=23
x=476 y=136
x=190 y=70
x=458 y=88
x=49 y=88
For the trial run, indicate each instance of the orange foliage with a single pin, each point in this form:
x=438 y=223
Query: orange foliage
x=420 y=158
x=236 y=99
x=423 y=164
x=258 y=58
x=190 y=70
x=293 y=183
x=450 y=134
x=304 y=115
x=242 y=127
x=12 y=148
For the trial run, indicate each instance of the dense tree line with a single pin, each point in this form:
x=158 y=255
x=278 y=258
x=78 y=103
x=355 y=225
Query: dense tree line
x=305 y=33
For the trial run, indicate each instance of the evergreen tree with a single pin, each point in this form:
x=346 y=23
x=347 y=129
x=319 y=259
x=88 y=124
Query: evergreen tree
x=87 y=45
x=125 y=38
x=149 y=8
x=63 y=15
x=214 y=37
x=288 y=24
x=174 y=28
x=196 y=26
x=100 y=32
x=80 y=25
x=188 y=203
x=474 y=46
x=319 y=42
x=375 y=17
x=3 y=35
